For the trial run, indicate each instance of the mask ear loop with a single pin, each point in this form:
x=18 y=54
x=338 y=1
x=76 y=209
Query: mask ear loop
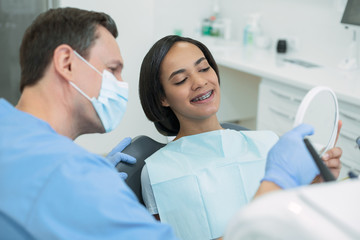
x=73 y=84
x=77 y=54
x=80 y=91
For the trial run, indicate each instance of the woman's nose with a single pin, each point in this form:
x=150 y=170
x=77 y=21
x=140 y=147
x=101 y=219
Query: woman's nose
x=198 y=82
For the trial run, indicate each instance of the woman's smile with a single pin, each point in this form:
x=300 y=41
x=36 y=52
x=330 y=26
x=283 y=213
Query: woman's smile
x=203 y=98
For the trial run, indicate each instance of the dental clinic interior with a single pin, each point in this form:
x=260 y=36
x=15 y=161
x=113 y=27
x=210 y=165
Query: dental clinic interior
x=270 y=53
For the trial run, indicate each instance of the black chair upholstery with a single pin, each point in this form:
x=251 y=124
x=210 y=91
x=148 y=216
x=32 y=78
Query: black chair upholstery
x=9 y=229
x=141 y=148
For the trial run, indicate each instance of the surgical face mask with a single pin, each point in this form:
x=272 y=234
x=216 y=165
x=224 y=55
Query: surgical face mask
x=110 y=105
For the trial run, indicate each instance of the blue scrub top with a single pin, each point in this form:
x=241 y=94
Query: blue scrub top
x=57 y=190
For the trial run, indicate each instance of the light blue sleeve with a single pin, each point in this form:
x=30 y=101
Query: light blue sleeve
x=92 y=202
x=147 y=192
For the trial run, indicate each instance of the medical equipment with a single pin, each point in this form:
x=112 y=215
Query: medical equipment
x=351 y=16
x=351 y=173
x=324 y=171
x=320 y=211
x=320 y=109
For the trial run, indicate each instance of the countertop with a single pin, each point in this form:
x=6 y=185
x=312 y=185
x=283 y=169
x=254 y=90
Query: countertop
x=270 y=65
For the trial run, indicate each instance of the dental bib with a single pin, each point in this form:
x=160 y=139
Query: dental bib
x=200 y=181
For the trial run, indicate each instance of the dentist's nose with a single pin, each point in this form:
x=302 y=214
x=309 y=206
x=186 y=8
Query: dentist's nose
x=119 y=77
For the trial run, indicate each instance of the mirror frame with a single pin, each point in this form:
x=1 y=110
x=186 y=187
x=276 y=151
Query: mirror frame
x=305 y=104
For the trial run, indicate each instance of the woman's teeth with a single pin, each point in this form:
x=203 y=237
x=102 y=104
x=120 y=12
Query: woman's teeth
x=203 y=97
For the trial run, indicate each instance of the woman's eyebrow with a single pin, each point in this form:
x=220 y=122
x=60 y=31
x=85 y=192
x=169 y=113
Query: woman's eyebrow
x=183 y=70
x=176 y=72
x=199 y=61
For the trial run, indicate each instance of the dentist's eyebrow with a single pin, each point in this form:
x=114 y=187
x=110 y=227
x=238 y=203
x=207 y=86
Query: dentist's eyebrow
x=118 y=64
x=183 y=70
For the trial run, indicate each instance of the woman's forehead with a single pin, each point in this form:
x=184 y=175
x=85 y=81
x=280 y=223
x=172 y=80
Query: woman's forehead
x=183 y=53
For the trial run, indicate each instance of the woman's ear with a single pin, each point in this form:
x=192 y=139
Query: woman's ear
x=164 y=103
x=63 y=60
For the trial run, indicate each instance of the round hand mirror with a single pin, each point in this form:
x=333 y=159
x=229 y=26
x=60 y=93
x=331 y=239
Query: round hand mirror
x=320 y=109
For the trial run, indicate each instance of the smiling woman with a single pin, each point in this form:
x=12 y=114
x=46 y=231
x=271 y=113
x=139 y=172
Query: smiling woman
x=196 y=182
x=191 y=88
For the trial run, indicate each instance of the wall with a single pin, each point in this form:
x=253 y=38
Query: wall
x=134 y=20
x=185 y=15
x=316 y=24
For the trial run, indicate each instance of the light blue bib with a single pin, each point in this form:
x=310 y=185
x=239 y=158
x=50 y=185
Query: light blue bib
x=200 y=181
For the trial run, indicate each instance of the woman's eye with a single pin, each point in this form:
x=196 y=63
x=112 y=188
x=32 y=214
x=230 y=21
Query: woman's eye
x=181 y=82
x=205 y=69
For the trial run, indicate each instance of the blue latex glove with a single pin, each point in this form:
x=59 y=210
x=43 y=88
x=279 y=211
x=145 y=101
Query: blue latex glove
x=289 y=163
x=116 y=156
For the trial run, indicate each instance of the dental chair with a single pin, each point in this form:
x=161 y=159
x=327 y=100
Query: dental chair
x=9 y=229
x=141 y=147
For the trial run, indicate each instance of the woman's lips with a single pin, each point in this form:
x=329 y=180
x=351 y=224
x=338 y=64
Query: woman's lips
x=203 y=96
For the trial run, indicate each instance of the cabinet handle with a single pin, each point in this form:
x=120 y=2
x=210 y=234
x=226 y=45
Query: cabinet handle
x=285 y=96
x=349 y=116
x=280 y=113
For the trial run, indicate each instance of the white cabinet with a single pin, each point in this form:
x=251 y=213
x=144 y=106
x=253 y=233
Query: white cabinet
x=277 y=106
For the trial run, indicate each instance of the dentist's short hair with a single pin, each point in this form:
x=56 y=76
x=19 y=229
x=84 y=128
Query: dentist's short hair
x=152 y=92
x=71 y=26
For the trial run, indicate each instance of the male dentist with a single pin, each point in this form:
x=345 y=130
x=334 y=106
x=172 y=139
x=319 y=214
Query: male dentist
x=71 y=85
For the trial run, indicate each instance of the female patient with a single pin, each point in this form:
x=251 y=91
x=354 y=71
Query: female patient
x=197 y=181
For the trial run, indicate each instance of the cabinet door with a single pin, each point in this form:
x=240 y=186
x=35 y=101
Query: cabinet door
x=277 y=106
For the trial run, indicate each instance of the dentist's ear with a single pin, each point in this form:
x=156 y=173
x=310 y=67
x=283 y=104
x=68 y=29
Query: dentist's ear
x=63 y=60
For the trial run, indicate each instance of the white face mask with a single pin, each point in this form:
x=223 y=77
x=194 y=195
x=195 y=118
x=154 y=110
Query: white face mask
x=111 y=102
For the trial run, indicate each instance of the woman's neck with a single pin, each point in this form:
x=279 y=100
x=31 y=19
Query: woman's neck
x=197 y=126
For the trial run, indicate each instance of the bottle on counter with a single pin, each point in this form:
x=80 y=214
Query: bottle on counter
x=252 y=29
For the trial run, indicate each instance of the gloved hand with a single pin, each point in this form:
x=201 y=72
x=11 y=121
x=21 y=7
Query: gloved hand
x=116 y=156
x=289 y=163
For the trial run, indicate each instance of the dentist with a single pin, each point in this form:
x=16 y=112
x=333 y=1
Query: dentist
x=71 y=85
